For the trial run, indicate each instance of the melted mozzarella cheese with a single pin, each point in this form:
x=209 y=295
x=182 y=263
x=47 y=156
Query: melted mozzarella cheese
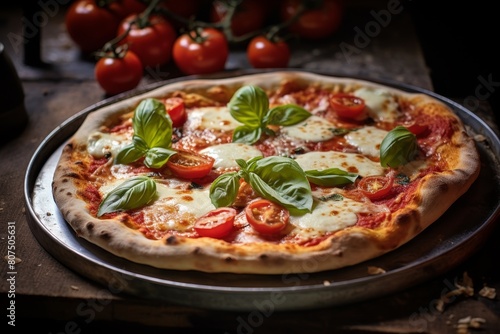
x=367 y=140
x=413 y=168
x=314 y=129
x=226 y=154
x=381 y=105
x=350 y=162
x=329 y=216
x=213 y=118
x=100 y=144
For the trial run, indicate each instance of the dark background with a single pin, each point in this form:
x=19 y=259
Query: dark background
x=460 y=44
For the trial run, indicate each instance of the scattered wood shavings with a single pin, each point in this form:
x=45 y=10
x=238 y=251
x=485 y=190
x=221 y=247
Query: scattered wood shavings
x=464 y=324
x=488 y=292
x=74 y=287
x=375 y=270
x=464 y=287
x=326 y=283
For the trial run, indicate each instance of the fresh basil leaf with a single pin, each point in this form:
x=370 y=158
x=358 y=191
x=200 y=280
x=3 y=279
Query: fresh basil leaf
x=246 y=134
x=156 y=157
x=129 y=154
x=330 y=177
x=332 y=197
x=249 y=105
x=286 y=115
x=224 y=189
x=150 y=122
x=131 y=194
x=398 y=147
x=281 y=179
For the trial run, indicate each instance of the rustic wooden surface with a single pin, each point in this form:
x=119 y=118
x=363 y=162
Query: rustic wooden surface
x=60 y=300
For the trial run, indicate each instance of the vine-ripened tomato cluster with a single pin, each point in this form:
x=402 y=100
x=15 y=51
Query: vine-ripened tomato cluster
x=128 y=36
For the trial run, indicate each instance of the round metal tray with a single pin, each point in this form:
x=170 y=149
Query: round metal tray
x=446 y=243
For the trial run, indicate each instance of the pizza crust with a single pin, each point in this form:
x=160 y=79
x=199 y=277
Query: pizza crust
x=436 y=193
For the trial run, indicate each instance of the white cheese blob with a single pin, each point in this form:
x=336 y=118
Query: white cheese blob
x=177 y=209
x=367 y=140
x=350 y=162
x=380 y=104
x=413 y=168
x=226 y=154
x=329 y=216
x=212 y=118
x=314 y=129
x=100 y=144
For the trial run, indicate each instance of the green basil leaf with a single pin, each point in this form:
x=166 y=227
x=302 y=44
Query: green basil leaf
x=246 y=134
x=286 y=115
x=224 y=189
x=152 y=124
x=330 y=177
x=131 y=194
x=129 y=154
x=398 y=147
x=281 y=179
x=156 y=157
x=249 y=105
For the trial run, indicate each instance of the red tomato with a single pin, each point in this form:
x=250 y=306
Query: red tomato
x=347 y=105
x=314 y=23
x=176 y=110
x=151 y=42
x=118 y=74
x=201 y=53
x=263 y=53
x=416 y=128
x=190 y=165
x=89 y=25
x=216 y=224
x=266 y=217
x=248 y=17
x=376 y=187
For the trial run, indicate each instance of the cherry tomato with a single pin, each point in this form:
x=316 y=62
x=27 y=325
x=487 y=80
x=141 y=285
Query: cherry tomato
x=152 y=41
x=263 y=53
x=89 y=25
x=190 y=165
x=248 y=17
x=217 y=223
x=314 y=23
x=347 y=105
x=201 y=52
x=118 y=74
x=176 y=109
x=376 y=187
x=266 y=217
x=416 y=128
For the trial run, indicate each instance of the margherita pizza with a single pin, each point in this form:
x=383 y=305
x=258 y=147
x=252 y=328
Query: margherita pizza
x=269 y=173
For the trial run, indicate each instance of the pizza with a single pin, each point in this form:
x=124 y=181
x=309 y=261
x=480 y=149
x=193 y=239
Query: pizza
x=263 y=173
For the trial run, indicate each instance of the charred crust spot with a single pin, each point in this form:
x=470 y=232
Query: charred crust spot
x=228 y=259
x=263 y=257
x=105 y=236
x=404 y=219
x=171 y=240
x=72 y=175
x=69 y=194
x=197 y=250
x=89 y=226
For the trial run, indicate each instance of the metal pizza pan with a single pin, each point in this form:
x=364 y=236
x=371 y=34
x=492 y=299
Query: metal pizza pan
x=445 y=244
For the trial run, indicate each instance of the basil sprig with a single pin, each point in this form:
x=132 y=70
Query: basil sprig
x=398 y=147
x=250 y=106
x=152 y=136
x=330 y=177
x=278 y=179
x=131 y=194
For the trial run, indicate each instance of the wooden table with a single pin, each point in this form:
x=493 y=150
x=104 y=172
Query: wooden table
x=59 y=300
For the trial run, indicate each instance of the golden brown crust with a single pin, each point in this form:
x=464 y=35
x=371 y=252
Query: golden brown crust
x=435 y=194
